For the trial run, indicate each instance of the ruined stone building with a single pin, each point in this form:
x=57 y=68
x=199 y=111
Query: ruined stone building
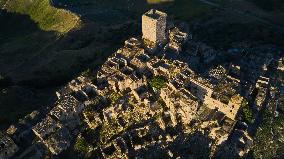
x=122 y=104
x=154 y=26
x=7 y=147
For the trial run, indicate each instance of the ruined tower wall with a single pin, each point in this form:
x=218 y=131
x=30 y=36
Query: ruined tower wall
x=161 y=30
x=154 y=26
x=149 y=26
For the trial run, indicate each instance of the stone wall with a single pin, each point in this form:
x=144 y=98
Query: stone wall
x=149 y=28
x=154 y=26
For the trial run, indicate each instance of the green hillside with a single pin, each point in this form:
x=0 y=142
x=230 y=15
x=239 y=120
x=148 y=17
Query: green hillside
x=47 y=17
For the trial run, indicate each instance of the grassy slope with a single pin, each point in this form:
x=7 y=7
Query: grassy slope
x=47 y=17
x=27 y=27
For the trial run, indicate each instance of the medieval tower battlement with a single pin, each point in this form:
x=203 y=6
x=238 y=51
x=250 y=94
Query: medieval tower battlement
x=154 y=26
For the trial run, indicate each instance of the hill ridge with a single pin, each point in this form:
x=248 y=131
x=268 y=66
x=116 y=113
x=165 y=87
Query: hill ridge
x=44 y=14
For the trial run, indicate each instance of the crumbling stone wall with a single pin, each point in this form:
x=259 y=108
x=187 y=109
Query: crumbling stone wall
x=154 y=26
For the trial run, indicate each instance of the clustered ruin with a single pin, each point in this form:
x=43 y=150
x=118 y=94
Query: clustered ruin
x=142 y=98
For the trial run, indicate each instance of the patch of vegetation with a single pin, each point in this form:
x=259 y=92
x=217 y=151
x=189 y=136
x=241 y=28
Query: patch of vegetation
x=156 y=1
x=108 y=130
x=81 y=145
x=157 y=82
x=47 y=17
x=114 y=97
x=91 y=136
x=148 y=43
x=269 y=137
x=281 y=104
x=246 y=112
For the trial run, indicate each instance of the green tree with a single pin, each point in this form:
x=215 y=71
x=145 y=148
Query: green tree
x=246 y=112
x=269 y=138
x=157 y=82
x=81 y=145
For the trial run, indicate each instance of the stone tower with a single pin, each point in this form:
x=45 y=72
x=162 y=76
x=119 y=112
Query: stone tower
x=154 y=26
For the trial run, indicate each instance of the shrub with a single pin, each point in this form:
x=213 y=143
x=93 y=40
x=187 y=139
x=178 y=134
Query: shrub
x=114 y=97
x=246 y=112
x=81 y=145
x=269 y=137
x=157 y=82
x=281 y=104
